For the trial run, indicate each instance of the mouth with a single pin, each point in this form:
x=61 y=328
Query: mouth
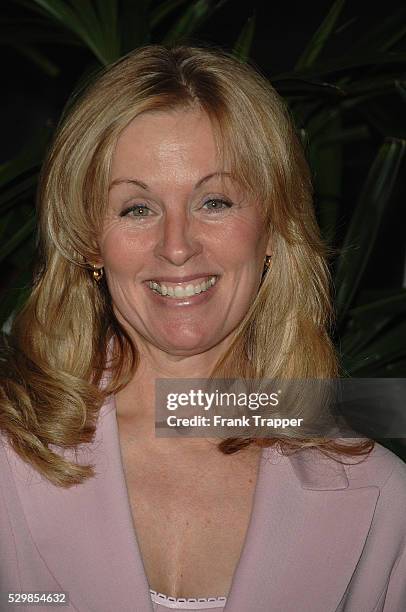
x=181 y=290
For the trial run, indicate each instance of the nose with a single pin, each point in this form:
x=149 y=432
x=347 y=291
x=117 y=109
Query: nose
x=178 y=241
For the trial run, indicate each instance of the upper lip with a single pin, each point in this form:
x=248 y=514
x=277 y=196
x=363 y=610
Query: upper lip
x=181 y=279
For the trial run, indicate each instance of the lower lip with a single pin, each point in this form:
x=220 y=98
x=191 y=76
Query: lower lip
x=189 y=300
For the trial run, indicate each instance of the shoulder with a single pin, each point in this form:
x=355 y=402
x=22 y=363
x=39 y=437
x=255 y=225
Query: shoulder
x=387 y=472
x=381 y=468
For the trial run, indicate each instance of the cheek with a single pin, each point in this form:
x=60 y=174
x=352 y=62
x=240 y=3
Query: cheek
x=243 y=243
x=122 y=250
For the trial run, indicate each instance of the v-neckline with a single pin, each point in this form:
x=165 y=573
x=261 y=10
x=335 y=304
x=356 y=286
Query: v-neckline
x=263 y=457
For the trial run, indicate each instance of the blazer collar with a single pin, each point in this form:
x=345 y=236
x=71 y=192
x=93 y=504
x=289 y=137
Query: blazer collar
x=318 y=473
x=306 y=532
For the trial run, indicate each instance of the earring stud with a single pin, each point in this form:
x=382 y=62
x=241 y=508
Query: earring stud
x=267 y=262
x=97 y=273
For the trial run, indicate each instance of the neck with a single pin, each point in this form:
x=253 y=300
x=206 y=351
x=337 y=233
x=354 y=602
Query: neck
x=136 y=402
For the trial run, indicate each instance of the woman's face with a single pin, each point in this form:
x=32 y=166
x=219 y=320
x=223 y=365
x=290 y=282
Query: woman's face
x=182 y=245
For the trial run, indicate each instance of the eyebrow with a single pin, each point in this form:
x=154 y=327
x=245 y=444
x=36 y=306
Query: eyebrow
x=138 y=183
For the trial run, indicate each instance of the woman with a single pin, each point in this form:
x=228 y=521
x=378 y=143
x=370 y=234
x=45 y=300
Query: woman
x=178 y=240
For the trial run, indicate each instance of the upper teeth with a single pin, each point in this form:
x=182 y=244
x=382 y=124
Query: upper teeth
x=184 y=289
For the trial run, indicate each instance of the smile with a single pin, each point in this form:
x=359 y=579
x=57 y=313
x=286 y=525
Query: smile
x=182 y=290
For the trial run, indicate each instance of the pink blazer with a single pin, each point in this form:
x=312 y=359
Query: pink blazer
x=322 y=537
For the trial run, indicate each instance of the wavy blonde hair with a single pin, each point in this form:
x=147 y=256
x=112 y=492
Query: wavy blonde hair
x=54 y=360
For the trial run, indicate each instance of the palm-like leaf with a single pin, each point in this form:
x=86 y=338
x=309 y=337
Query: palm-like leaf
x=242 y=47
x=320 y=37
x=191 y=19
x=365 y=222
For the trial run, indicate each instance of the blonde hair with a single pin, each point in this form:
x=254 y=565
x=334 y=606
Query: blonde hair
x=53 y=363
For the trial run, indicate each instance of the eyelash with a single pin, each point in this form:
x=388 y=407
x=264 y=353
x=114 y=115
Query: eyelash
x=125 y=212
x=143 y=207
x=225 y=202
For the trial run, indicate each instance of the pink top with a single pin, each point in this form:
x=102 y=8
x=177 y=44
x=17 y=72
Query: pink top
x=161 y=603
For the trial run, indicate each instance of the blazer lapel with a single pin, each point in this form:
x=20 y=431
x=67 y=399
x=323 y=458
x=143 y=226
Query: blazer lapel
x=306 y=534
x=85 y=534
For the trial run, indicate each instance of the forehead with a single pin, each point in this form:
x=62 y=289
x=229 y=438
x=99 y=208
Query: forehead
x=166 y=142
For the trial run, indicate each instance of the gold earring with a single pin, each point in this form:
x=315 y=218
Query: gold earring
x=267 y=262
x=97 y=273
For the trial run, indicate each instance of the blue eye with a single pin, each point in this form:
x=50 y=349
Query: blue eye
x=216 y=205
x=139 y=210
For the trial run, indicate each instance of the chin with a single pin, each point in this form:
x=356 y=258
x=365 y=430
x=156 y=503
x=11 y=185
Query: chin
x=186 y=348
x=181 y=344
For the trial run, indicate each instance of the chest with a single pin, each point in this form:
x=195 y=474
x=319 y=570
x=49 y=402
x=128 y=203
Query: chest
x=190 y=519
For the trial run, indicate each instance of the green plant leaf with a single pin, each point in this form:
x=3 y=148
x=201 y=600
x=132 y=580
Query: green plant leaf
x=191 y=19
x=163 y=10
x=320 y=37
x=389 y=347
x=342 y=64
x=107 y=11
x=37 y=58
x=133 y=24
x=15 y=295
x=63 y=13
x=387 y=123
x=365 y=222
x=188 y=22
x=401 y=88
x=360 y=337
x=30 y=157
x=396 y=369
x=368 y=321
x=393 y=305
x=81 y=18
x=385 y=35
x=243 y=45
x=358 y=132
x=17 y=192
x=4 y=225
x=327 y=163
x=374 y=85
x=304 y=87
x=18 y=238
x=27 y=32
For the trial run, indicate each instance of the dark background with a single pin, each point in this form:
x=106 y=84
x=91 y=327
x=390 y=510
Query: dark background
x=282 y=31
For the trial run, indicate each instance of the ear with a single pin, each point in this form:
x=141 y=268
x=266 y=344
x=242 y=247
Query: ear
x=96 y=261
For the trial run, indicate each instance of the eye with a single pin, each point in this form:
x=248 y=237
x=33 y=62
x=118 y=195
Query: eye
x=139 y=210
x=214 y=205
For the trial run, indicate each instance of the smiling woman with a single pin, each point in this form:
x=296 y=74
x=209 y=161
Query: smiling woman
x=177 y=240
